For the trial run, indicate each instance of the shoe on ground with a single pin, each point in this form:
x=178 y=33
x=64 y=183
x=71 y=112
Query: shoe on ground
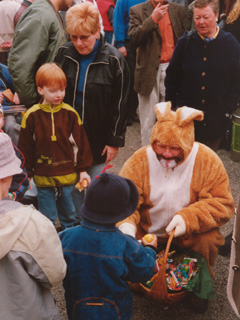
x=226 y=248
x=134 y=118
x=129 y=122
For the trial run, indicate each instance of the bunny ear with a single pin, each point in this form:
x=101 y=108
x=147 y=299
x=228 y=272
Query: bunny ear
x=184 y=115
x=163 y=111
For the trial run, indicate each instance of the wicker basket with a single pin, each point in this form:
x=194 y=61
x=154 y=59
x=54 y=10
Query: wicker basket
x=159 y=289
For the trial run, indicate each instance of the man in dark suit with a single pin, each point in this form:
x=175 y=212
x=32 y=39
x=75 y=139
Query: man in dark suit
x=154 y=29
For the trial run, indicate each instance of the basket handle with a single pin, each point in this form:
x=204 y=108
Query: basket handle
x=168 y=245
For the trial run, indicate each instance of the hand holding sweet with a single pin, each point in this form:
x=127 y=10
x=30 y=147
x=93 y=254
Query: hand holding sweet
x=85 y=176
x=149 y=240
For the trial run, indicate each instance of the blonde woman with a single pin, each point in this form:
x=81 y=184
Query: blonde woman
x=97 y=84
x=232 y=13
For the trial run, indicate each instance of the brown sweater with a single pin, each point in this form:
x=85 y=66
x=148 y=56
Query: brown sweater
x=47 y=137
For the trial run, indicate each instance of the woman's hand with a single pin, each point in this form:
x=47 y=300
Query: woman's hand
x=111 y=153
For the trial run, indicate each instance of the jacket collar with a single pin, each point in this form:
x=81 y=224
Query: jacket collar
x=102 y=55
x=97 y=227
x=48 y=108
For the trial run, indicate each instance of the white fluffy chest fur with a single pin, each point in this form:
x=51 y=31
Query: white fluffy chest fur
x=170 y=191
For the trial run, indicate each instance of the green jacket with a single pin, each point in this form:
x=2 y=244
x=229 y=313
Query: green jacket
x=38 y=35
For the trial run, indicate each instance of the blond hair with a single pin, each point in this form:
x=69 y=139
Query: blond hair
x=204 y=3
x=49 y=74
x=82 y=18
x=234 y=13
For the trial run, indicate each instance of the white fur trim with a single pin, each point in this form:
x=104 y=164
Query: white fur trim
x=187 y=112
x=162 y=107
x=128 y=228
x=170 y=190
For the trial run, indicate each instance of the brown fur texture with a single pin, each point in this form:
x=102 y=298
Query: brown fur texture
x=211 y=203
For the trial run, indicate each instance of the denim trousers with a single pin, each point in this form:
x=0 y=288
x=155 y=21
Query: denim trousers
x=58 y=202
x=79 y=197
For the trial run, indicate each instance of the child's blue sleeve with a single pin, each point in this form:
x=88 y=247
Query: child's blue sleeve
x=141 y=264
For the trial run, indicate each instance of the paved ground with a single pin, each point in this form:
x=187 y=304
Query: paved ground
x=143 y=308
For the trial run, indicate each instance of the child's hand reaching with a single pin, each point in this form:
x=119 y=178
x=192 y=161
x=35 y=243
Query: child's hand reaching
x=84 y=176
x=149 y=240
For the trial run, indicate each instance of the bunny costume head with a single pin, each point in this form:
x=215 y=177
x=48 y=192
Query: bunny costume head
x=175 y=127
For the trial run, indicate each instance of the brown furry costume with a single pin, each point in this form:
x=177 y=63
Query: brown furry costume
x=197 y=188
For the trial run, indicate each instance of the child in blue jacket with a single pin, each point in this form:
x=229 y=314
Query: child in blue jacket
x=100 y=258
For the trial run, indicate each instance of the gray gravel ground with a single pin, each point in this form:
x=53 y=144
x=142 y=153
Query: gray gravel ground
x=145 y=309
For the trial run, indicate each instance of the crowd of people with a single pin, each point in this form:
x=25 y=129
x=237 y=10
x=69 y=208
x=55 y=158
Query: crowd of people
x=83 y=71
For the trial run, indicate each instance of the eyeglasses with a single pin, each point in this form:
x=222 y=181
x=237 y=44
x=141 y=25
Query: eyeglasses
x=82 y=38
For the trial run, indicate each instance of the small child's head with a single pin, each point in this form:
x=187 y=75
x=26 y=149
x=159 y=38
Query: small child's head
x=109 y=199
x=51 y=83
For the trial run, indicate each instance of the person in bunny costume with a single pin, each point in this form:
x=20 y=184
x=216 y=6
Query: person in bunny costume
x=182 y=185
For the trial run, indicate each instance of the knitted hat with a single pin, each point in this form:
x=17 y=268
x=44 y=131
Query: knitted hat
x=109 y=199
x=9 y=162
x=175 y=127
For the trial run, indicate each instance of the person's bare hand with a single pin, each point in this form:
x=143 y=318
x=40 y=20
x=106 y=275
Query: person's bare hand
x=16 y=99
x=149 y=239
x=111 y=153
x=159 y=11
x=6 y=44
x=123 y=51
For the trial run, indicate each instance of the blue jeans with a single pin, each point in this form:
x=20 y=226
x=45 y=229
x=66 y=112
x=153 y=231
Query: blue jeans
x=54 y=202
x=78 y=197
x=108 y=36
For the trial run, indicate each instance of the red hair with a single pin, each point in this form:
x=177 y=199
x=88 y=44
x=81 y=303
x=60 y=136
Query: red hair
x=49 y=74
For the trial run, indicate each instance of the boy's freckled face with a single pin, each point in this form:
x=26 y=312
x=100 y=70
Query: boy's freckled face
x=52 y=95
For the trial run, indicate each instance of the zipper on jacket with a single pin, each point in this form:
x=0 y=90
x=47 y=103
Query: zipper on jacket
x=76 y=81
x=53 y=136
x=86 y=75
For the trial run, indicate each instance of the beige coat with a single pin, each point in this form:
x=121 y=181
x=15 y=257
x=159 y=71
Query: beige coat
x=8 y=9
x=145 y=35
